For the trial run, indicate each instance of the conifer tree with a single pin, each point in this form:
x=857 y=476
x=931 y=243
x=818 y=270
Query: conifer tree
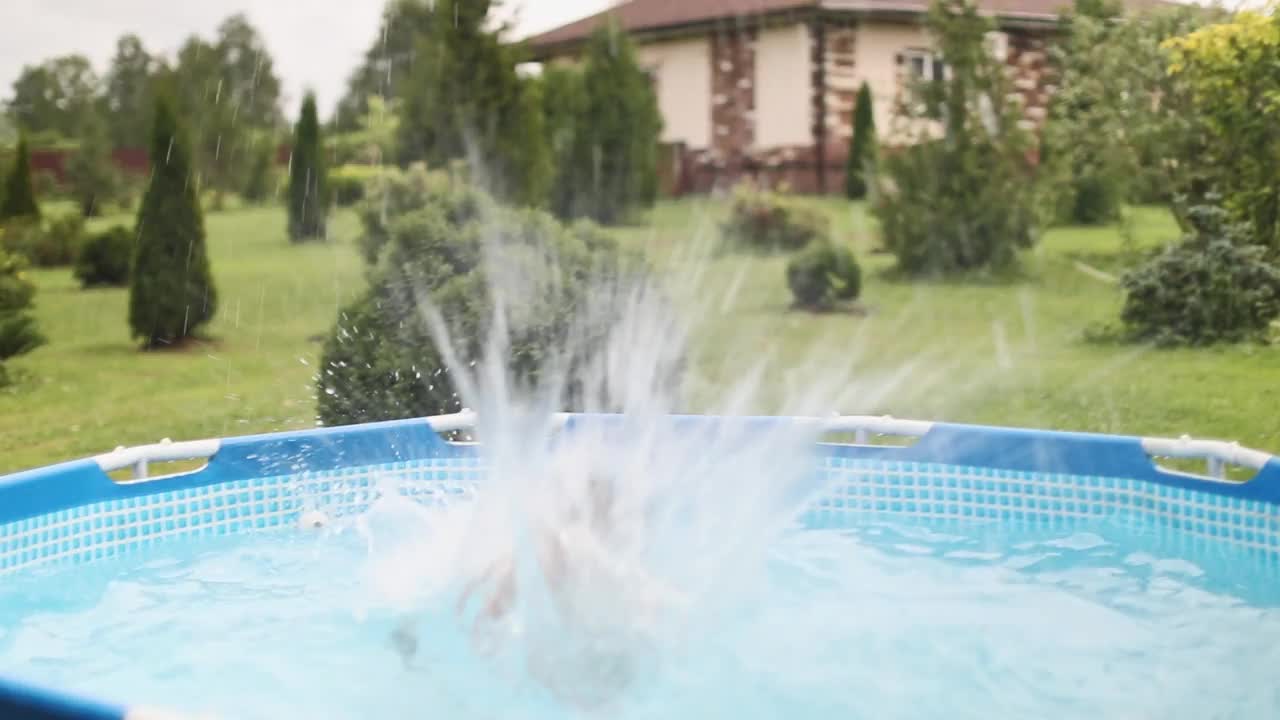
x=19 y=197
x=613 y=161
x=464 y=101
x=171 y=291
x=308 y=187
x=862 y=146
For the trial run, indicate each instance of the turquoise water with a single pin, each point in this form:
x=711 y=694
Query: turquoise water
x=884 y=621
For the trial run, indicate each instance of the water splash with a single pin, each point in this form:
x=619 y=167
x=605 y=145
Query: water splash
x=595 y=552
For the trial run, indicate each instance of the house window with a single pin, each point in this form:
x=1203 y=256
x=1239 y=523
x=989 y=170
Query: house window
x=924 y=64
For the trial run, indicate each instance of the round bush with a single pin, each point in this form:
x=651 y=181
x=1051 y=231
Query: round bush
x=1193 y=294
x=823 y=273
x=391 y=194
x=382 y=361
x=105 y=258
x=1214 y=286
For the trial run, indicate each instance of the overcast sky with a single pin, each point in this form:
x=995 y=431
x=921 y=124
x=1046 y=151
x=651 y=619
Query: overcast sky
x=315 y=43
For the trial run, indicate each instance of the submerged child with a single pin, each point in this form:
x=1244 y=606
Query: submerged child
x=590 y=661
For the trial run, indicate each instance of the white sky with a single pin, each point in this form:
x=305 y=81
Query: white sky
x=315 y=43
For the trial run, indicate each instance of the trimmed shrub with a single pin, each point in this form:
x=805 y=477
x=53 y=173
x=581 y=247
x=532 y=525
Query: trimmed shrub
x=381 y=360
x=171 y=291
x=18 y=199
x=822 y=274
x=1214 y=286
x=862 y=147
x=105 y=257
x=18 y=333
x=765 y=221
x=51 y=243
x=308 y=188
x=1095 y=199
x=390 y=195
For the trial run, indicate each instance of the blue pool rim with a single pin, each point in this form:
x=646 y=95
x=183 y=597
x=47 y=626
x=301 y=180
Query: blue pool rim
x=77 y=483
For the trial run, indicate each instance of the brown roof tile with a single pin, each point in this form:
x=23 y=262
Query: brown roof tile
x=638 y=15
x=652 y=14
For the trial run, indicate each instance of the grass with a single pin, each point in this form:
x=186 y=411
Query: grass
x=1008 y=352
x=89 y=389
x=1000 y=352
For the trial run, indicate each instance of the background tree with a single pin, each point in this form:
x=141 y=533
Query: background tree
x=19 y=198
x=18 y=333
x=1120 y=129
x=1232 y=74
x=308 y=199
x=171 y=291
x=564 y=107
x=968 y=200
x=611 y=162
x=90 y=170
x=387 y=63
x=258 y=185
x=127 y=93
x=52 y=96
x=230 y=89
x=464 y=101
x=862 y=146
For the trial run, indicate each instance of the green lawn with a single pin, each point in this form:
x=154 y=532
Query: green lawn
x=1010 y=353
x=89 y=389
x=1005 y=353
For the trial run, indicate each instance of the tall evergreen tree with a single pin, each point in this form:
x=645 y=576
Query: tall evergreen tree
x=171 y=291
x=19 y=197
x=308 y=199
x=388 y=62
x=613 y=166
x=861 y=147
x=465 y=101
x=563 y=108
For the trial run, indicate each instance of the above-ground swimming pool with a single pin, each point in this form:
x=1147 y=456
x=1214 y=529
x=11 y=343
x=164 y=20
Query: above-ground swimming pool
x=970 y=572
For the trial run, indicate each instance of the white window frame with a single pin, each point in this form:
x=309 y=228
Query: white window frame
x=929 y=62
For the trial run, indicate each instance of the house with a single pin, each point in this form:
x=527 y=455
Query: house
x=766 y=88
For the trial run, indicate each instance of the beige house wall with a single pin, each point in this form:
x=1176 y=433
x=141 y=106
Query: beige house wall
x=878 y=47
x=682 y=72
x=784 y=87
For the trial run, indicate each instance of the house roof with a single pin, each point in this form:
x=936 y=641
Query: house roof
x=656 y=14
x=653 y=15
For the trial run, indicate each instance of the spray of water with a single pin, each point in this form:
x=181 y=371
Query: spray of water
x=593 y=554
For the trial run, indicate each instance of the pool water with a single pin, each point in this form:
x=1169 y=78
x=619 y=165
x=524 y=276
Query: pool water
x=881 y=621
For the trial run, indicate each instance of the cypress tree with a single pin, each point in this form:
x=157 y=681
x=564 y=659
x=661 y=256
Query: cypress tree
x=19 y=197
x=308 y=200
x=614 y=159
x=171 y=291
x=862 y=146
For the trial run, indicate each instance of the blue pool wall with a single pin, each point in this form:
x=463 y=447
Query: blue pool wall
x=73 y=512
